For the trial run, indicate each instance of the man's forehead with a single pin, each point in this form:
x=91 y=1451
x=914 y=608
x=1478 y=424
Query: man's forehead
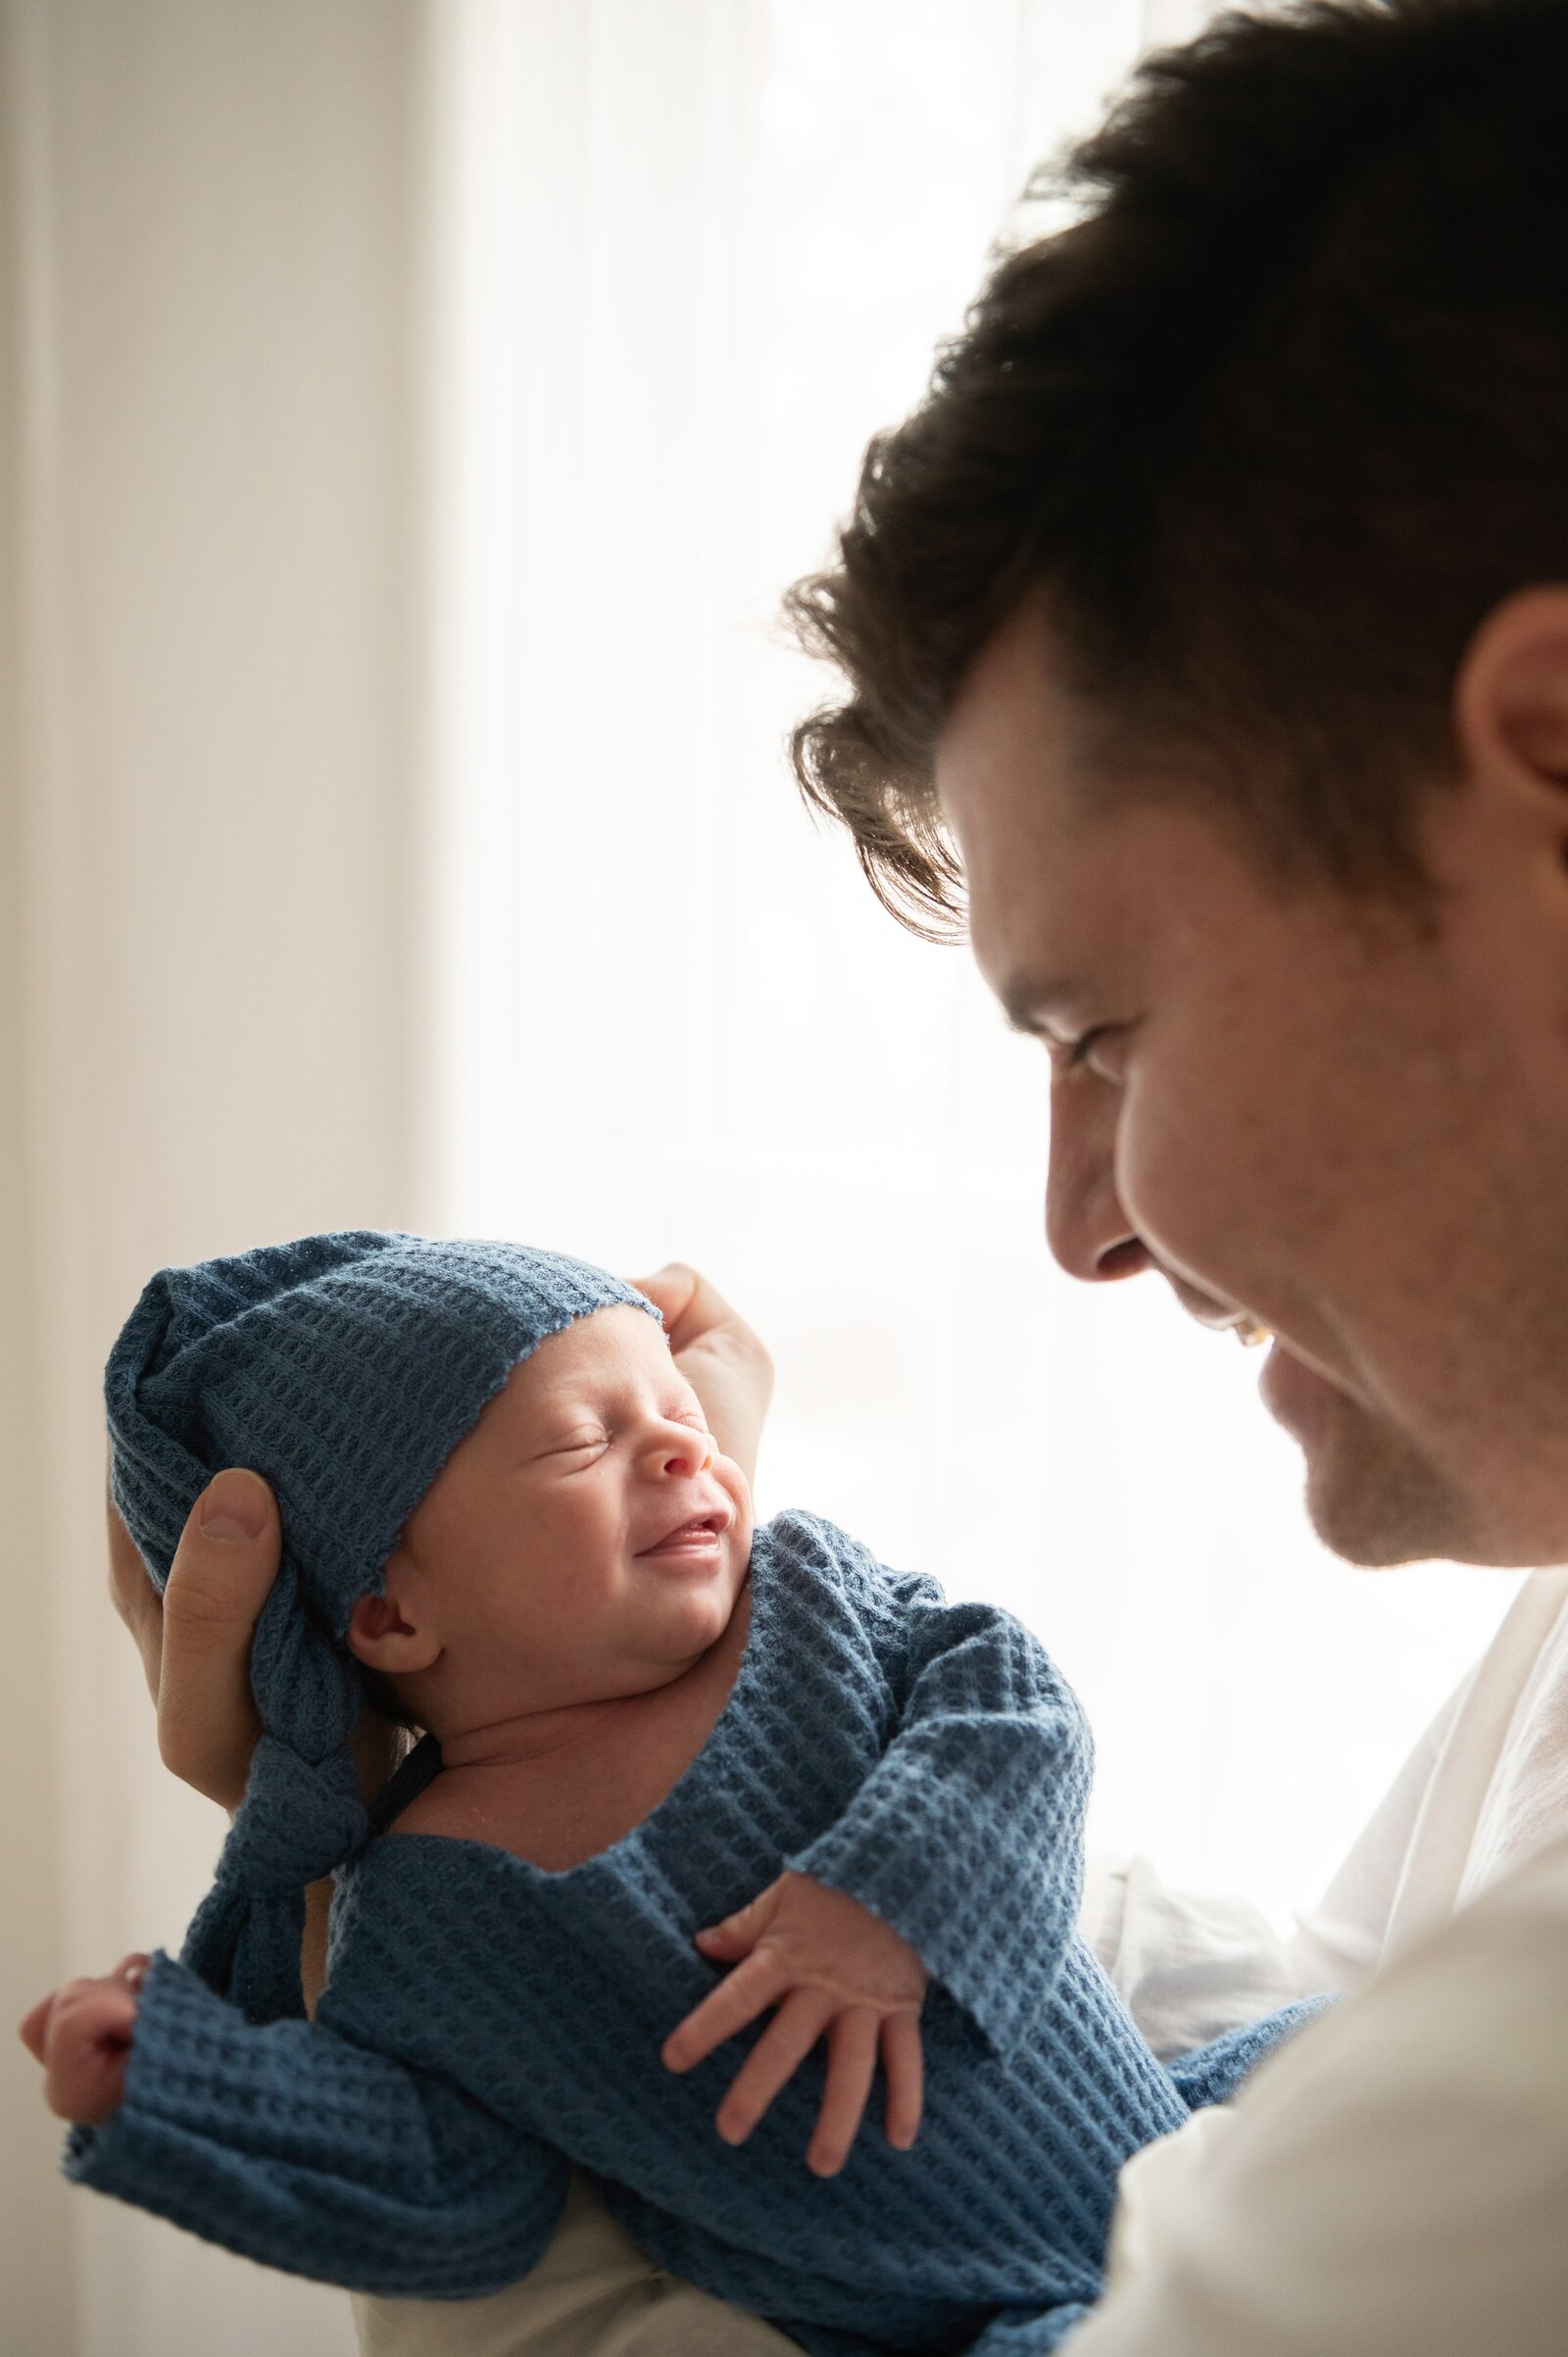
x=1011 y=774
x=1078 y=852
x=1013 y=732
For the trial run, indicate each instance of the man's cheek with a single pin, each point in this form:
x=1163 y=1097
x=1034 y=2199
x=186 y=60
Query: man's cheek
x=1177 y=1181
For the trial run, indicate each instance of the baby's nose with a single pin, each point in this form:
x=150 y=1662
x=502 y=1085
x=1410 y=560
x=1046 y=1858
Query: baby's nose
x=683 y=1449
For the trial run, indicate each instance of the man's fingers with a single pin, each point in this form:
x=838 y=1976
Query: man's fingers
x=672 y=1290
x=904 y=2064
x=721 y=1357
x=750 y=1989
x=774 y=2059
x=690 y=1305
x=222 y=1572
x=851 y=2068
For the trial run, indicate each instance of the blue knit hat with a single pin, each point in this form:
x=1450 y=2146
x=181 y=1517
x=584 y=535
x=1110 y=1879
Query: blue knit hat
x=344 y=1369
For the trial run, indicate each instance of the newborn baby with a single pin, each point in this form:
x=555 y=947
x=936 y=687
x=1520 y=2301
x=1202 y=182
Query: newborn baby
x=677 y=1774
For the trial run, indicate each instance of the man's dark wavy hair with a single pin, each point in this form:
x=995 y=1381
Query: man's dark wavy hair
x=1271 y=426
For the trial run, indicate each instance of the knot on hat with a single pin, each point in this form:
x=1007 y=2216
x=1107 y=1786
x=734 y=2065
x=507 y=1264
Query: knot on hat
x=344 y=1369
x=296 y=1824
x=299 y=1821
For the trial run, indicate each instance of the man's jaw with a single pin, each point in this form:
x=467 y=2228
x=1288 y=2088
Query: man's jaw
x=1374 y=1495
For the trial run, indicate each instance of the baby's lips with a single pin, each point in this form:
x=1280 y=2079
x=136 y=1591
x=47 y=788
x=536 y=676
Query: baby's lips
x=716 y=1519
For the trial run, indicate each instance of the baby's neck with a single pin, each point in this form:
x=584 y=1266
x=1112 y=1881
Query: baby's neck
x=535 y=1735
x=521 y=1739
x=605 y=1764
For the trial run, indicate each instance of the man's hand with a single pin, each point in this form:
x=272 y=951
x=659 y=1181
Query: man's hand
x=82 y=2035
x=195 y=1638
x=718 y=1354
x=833 y=1969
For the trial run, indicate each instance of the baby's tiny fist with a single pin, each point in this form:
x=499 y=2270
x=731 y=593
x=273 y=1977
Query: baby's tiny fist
x=81 y=2035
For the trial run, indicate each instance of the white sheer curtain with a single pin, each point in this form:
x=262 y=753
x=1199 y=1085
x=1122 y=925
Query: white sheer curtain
x=409 y=413
x=696 y=255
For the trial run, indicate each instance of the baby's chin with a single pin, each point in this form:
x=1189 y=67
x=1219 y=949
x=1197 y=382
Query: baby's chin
x=684 y=1623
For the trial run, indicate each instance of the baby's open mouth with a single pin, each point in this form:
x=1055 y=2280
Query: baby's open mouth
x=699 y=1532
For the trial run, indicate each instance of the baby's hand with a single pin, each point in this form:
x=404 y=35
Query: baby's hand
x=82 y=2035
x=832 y=1968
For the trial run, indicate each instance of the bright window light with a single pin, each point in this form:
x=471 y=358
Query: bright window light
x=693 y=257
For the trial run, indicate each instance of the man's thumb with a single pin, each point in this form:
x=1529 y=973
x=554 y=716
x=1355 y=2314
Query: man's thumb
x=221 y=1574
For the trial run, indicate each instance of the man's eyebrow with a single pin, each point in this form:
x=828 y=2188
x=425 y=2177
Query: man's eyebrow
x=1024 y=1002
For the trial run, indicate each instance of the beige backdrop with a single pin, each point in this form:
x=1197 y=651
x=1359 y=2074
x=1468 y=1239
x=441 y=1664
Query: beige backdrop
x=209 y=950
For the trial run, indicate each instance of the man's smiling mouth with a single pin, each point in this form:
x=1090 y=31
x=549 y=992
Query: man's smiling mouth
x=1208 y=1311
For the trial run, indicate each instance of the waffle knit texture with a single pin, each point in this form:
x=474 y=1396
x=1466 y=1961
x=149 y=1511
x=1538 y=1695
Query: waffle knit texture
x=486 y=2022
x=345 y=1369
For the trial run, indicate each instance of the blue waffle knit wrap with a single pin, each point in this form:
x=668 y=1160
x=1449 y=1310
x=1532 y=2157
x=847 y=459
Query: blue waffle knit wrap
x=344 y=1369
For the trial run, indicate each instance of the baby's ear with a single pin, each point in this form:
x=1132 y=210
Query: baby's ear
x=379 y=1635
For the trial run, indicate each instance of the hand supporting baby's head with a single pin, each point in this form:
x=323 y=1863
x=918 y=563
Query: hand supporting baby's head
x=585 y=1542
x=352 y=1371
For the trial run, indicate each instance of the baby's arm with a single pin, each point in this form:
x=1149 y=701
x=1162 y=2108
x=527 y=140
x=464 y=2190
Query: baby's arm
x=967 y=1836
x=961 y=1853
x=297 y=2148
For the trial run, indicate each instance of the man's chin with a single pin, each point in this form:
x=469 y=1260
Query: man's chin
x=1375 y=1500
x=1371 y=1497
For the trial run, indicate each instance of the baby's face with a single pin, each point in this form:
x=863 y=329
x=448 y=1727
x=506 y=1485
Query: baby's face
x=586 y=1539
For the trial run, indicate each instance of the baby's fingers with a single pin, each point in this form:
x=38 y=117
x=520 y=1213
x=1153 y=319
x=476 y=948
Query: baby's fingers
x=86 y=2036
x=851 y=2068
x=774 y=2059
x=33 y=2027
x=749 y=1990
x=904 y=2063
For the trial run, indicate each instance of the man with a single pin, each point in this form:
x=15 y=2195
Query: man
x=1206 y=634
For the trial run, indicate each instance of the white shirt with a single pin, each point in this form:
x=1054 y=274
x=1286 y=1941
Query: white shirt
x=1394 y=2184
x=1485 y=1787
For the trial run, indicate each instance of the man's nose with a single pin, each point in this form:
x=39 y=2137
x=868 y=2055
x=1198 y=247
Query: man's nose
x=1086 y=1227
